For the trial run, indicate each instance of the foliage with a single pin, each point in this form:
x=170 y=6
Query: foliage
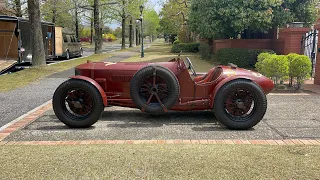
x=245 y=58
x=185 y=47
x=300 y=68
x=58 y=11
x=117 y=32
x=85 y=32
x=109 y=37
x=229 y=18
x=279 y=67
x=205 y=51
x=173 y=15
x=176 y=41
x=151 y=22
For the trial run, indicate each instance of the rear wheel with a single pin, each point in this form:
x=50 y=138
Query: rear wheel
x=240 y=104
x=68 y=55
x=77 y=103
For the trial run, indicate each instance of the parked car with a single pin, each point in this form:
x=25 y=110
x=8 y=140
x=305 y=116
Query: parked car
x=67 y=44
x=237 y=96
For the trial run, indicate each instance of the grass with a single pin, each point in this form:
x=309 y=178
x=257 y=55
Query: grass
x=160 y=162
x=159 y=51
x=27 y=76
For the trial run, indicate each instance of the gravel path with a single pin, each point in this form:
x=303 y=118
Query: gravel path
x=15 y=103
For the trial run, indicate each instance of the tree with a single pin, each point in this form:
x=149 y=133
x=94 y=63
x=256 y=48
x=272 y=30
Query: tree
x=38 y=54
x=231 y=18
x=151 y=23
x=58 y=12
x=14 y=8
x=174 y=18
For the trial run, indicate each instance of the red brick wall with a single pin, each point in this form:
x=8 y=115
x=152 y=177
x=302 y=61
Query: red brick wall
x=292 y=37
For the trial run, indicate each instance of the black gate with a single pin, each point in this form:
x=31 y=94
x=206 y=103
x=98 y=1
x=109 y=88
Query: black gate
x=309 y=44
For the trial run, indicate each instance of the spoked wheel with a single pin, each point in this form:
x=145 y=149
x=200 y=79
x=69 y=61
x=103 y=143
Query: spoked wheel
x=154 y=89
x=240 y=104
x=77 y=103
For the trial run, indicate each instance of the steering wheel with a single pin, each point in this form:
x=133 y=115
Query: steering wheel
x=191 y=67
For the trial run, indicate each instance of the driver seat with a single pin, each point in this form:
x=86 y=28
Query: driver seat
x=212 y=75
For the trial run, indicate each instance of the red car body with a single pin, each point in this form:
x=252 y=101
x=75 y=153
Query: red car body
x=196 y=93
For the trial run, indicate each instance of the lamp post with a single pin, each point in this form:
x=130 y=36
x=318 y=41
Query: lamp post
x=141 y=17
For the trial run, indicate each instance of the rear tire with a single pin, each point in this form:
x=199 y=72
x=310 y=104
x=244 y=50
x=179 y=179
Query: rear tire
x=240 y=104
x=73 y=93
x=67 y=55
x=150 y=83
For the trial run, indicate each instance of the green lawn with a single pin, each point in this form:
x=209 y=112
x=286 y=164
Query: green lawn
x=160 y=162
x=27 y=76
x=159 y=51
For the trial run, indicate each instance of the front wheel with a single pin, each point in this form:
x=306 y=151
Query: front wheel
x=77 y=103
x=240 y=104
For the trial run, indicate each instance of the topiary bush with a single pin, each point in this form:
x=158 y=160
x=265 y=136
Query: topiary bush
x=280 y=67
x=245 y=58
x=300 y=68
x=185 y=47
x=205 y=51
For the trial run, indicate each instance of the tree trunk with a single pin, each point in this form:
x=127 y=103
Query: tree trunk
x=123 y=23
x=130 y=33
x=137 y=37
x=54 y=11
x=37 y=46
x=77 y=19
x=91 y=31
x=18 y=8
x=97 y=29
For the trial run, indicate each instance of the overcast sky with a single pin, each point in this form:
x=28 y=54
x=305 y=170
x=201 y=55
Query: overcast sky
x=153 y=3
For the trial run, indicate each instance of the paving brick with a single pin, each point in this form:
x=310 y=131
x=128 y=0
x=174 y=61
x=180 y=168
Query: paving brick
x=227 y=141
x=245 y=141
x=186 y=142
x=288 y=142
x=121 y=142
x=203 y=141
x=8 y=130
x=161 y=141
x=296 y=141
x=177 y=141
x=280 y=142
x=314 y=142
x=138 y=142
x=237 y=142
x=85 y=142
x=220 y=141
x=11 y=143
x=254 y=141
x=195 y=142
x=271 y=142
x=212 y=142
x=169 y=141
x=305 y=142
x=129 y=142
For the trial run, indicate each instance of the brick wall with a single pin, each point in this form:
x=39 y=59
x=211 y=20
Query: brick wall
x=242 y=43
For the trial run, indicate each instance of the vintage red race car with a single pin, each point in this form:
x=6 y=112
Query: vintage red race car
x=237 y=96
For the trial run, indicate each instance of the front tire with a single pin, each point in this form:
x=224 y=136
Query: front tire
x=240 y=104
x=77 y=103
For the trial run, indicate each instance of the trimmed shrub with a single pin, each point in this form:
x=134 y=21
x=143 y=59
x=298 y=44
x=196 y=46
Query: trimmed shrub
x=300 y=68
x=245 y=58
x=205 y=51
x=185 y=47
x=291 y=57
x=260 y=66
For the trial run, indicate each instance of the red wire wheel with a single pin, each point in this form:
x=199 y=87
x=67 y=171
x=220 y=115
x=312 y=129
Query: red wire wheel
x=240 y=104
x=77 y=103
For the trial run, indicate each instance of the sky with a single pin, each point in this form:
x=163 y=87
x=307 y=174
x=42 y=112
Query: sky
x=153 y=3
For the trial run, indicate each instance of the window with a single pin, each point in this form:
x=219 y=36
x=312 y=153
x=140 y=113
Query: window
x=65 y=39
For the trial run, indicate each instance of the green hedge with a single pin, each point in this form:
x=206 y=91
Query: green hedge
x=245 y=58
x=185 y=47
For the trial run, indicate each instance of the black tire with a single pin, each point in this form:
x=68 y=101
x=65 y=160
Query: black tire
x=64 y=110
x=245 y=92
x=81 y=53
x=67 y=55
x=167 y=89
